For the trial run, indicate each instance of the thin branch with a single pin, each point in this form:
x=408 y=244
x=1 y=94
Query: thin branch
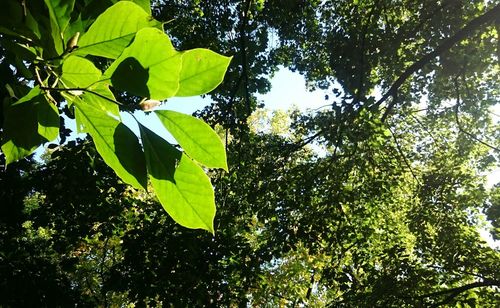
x=407 y=163
x=445 y=45
x=82 y=89
x=459 y=125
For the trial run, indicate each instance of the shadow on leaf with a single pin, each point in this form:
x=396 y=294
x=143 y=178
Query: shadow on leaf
x=132 y=77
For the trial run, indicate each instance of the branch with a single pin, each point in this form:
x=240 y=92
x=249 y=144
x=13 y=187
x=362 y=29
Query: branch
x=400 y=150
x=445 y=45
x=84 y=90
x=459 y=125
x=454 y=292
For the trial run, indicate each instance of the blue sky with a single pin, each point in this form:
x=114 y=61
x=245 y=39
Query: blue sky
x=288 y=89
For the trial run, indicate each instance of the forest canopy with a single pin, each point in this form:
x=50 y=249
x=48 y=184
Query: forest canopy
x=377 y=199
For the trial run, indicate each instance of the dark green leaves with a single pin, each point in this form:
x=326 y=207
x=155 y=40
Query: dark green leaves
x=40 y=123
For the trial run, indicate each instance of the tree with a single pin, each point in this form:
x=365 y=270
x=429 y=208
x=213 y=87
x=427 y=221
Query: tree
x=350 y=206
x=48 y=68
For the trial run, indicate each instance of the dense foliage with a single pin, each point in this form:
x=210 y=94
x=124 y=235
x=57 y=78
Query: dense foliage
x=376 y=200
x=56 y=71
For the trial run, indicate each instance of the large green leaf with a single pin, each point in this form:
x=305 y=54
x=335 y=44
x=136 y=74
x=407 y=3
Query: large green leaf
x=81 y=73
x=196 y=138
x=151 y=71
x=115 y=142
x=114 y=29
x=182 y=187
x=144 y=4
x=202 y=71
x=60 y=14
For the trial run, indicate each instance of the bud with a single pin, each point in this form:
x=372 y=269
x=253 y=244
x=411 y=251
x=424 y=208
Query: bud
x=148 y=104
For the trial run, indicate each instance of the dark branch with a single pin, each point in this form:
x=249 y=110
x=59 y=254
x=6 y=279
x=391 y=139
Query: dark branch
x=454 y=292
x=448 y=43
x=459 y=125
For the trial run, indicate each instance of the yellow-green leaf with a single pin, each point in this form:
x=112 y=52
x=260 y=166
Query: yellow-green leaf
x=196 y=138
x=114 y=29
x=181 y=185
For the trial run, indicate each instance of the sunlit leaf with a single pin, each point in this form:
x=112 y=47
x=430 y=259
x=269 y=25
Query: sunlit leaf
x=115 y=142
x=202 y=71
x=182 y=187
x=196 y=138
x=151 y=72
x=114 y=29
x=79 y=72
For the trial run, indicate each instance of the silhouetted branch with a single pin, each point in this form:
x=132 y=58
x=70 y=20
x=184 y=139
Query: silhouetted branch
x=463 y=33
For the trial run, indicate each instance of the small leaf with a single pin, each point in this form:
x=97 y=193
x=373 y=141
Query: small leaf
x=182 y=187
x=151 y=71
x=196 y=138
x=115 y=142
x=202 y=71
x=34 y=92
x=114 y=29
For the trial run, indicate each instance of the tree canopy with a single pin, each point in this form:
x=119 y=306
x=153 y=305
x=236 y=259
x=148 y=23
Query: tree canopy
x=375 y=200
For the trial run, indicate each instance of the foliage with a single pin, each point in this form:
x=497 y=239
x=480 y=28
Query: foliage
x=365 y=203
x=52 y=69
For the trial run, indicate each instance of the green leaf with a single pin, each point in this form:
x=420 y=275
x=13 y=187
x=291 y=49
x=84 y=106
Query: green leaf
x=114 y=29
x=48 y=120
x=144 y=4
x=151 y=71
x=115 y=142
x=60 y=14
x=34 y=92
x=21 y=137
x=182 y=187
x=196 y=138
x=202 y=71
x=79 y=72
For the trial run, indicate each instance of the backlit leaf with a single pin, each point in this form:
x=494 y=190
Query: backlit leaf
x=151 y=72
x=196 y=138
x=182 y=187
x=202 y=71
x=115 y=142
x=114 y=29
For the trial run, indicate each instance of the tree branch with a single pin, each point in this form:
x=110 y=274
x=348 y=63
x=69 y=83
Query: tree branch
x=459 y=125
x=454 y=292
x=448 y=43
